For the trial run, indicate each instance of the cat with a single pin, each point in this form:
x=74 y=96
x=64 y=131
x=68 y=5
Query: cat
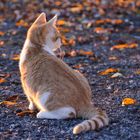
x=51 y=86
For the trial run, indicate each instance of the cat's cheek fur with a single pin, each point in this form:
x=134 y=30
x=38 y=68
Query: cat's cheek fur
x=61 y=113
x=49 y=46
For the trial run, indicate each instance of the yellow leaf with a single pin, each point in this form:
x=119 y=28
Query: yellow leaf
x=61 y=22
x=66 y=41
x=7 y=103
x=1 y=33
x=87 y=53
x=22 y=23
x=2 y=80
x=124 y=46
x=137 y=72
x=128 y=101
x=76 y=9
x=112 y=58
x=117 y=21
x=63 y=30
x=108 y=71
x=16 y=57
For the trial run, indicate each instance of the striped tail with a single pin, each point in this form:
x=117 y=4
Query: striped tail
x=95 y=122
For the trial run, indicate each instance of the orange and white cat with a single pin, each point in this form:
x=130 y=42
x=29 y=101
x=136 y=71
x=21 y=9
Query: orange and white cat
x=51 y=86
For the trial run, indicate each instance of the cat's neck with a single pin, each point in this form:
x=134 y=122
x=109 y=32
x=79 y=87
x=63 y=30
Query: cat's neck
x=48 y=49
x=29 y=44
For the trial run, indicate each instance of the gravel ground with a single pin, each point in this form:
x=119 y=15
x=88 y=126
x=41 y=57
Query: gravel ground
x=108 y=92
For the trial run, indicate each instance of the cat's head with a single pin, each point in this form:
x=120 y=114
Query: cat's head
x=44 y=34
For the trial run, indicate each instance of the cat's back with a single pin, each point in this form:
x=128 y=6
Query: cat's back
x=44 y=68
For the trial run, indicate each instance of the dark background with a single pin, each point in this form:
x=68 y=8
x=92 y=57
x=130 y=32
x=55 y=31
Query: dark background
x=96 y=35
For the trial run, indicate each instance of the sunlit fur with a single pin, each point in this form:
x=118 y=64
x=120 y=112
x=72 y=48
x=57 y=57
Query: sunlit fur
x=51 y=86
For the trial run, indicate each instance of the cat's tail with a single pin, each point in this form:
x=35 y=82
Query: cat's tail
x=96 y=120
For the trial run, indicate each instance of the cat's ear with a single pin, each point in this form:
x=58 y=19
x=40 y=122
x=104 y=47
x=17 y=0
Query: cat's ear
x=52 y=21
x=41 y=19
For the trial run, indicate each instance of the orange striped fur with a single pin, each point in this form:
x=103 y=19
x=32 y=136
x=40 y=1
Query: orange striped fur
x=51 y=86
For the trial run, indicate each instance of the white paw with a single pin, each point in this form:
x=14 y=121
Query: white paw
x=31 y=106
x=40 y=115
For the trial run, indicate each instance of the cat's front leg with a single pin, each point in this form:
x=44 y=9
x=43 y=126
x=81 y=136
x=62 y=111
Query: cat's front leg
x=31 y=104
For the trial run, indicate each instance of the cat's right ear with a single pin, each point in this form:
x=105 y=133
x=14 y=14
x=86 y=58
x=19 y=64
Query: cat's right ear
x=41 y=19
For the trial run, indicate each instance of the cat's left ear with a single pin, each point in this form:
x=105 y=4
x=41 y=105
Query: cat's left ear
x=53 y=21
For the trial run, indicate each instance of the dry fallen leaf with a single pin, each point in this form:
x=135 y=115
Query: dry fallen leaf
x=100 y=30
x=2 y=33
x=22 y=23
x=63 y=30
x=72 y=53
x=1 y=43
x=76 y=9
x=116 y=75
x=15 y=57
x=68 y=42
x=108 y=71
x=113 y=58
x=61 y=22
x=87 y=53
x=7 y=103
x=111 y=21
x=77 y=66
x=124 y=46
x=128 y=101
x=116 y=21
x=12 y=98
x=2 y=80
x=23 y=113
x=137 y=72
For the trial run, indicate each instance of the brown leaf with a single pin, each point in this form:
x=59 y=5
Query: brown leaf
x=22 y=23
x=7 y=103
x=23 y=113
x=108 y=71
x=77 y=66
x=128 y=101
x=124 y=46
x=15 y=57
x=12 y=98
